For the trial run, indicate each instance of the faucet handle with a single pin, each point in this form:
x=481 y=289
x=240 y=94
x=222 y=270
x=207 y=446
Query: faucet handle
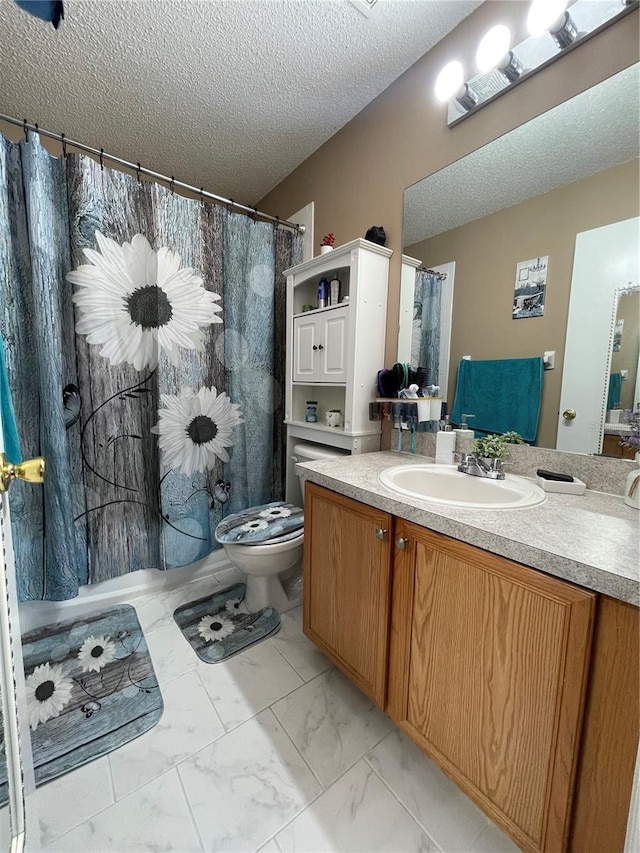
x=463 y=423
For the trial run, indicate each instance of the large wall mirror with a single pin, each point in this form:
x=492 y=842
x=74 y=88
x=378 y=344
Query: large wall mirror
x=535 y=238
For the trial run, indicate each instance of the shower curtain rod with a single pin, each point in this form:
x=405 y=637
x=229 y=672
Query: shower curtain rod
x=140 y=170
x=442 y=276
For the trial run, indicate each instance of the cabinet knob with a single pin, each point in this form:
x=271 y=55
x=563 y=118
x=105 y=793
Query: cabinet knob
x=320 y=346
x=380 y=532
x=401 y=543
x=315 y=347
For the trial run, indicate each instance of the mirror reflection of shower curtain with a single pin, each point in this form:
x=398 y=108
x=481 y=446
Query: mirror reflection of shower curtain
x=426 y=312
x=90 y=381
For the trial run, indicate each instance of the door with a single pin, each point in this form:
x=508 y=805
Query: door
x=347 y=569
x=305 y=348
x=16 y=765
x=606 y=259
x=332 y=348
x=488 y=669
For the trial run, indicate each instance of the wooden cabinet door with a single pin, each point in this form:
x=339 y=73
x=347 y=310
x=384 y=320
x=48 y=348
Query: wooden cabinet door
x=305 y=349
x=347 y=568
x=488 y=670
x=333 y=346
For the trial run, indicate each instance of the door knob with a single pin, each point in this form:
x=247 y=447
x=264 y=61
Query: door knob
x=401 y=543
x=380 y=532
x=569 y=414
x=31 y=471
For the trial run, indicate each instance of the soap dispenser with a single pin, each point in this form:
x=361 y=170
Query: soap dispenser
x=463 y=430
x=445 y=443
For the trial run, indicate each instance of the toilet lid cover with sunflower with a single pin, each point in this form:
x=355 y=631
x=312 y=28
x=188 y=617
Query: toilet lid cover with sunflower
x=261 y=524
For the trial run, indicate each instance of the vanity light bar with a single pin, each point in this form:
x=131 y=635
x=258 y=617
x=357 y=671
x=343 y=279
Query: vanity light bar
x=554 y=31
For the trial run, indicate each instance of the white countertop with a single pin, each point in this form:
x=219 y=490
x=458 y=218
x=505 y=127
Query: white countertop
x=591 y=540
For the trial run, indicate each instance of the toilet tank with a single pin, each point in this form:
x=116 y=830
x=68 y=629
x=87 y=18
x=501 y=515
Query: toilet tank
x=307 y=452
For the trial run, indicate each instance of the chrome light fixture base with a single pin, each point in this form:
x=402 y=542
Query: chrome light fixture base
x=583 y=20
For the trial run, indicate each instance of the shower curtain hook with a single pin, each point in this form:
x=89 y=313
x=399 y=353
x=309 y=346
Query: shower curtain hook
x=138 y=167
x=171 y=184
x=102 y=159
x=25 y=129
x=276 y=224
x=202 y=195
x=231 y=205
x=255 y=214
x=64 y=146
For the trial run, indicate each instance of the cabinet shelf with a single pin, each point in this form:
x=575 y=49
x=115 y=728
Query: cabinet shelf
x=321 y=310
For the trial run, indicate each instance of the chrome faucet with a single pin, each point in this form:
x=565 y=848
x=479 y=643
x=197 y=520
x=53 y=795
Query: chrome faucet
x=479 y=467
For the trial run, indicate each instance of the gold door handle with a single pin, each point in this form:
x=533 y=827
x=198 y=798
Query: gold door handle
x=569 y=414
x=31 y=471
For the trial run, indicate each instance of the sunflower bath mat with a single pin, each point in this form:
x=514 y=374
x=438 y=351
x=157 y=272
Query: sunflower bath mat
x=219 y=625
x=90 y=688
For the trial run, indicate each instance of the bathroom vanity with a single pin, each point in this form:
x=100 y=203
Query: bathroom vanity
x=504 y=644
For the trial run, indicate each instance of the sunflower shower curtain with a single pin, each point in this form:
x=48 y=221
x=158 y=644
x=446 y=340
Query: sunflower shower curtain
x=145 y=348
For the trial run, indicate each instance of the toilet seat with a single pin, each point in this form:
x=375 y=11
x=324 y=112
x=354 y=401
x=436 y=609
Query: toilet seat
x=267 y=524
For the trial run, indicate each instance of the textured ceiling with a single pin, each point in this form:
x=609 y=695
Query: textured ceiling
x=596 y=130
x=229 y=94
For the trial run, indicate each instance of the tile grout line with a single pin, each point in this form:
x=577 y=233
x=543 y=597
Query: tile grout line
x=402 y=804
x=189 y=809
x=304 y=760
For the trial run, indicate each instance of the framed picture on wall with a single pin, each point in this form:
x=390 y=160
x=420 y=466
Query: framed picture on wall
x=530 y=288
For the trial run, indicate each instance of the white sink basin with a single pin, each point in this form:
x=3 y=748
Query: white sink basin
x=444 y=484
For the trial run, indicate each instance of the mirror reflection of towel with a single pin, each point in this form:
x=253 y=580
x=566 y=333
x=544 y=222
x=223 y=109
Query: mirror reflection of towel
x=503 y=394
x=615 y=390
x=9 y=428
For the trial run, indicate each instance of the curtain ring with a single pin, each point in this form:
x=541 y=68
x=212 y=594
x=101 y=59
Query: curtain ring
x=36 y=126
x=102 y=159
x=276 y=224
x=25 y=130
x=202 y=195
x=171 y=184
x=64 y=145
x=138 y=167
x=255 y=213
x=230 y=205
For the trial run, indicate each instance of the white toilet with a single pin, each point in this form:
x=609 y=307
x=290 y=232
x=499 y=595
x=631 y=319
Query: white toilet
x=270 y=560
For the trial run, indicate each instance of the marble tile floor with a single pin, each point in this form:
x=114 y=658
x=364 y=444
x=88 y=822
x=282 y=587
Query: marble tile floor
x=271 y=751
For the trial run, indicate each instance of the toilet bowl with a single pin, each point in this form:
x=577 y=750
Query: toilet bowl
x=271 y=558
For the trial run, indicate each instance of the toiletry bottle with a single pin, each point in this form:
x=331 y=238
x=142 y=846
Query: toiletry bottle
x=335 y=287
x=463 y=430
x=311 y=415
x=445 y=443
x=323 y=293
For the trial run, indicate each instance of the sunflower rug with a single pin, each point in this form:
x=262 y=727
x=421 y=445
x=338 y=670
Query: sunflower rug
x=90 y=688
x=219 y=625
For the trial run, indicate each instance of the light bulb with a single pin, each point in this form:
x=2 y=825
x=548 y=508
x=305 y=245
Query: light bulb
x=494 y=45
x=543 y=14
x=449 y=81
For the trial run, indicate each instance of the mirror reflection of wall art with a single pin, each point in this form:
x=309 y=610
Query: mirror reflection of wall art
x=617 y=335
x=530 y=288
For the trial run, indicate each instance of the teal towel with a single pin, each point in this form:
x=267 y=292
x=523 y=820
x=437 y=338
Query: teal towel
x=503 y=394
x=615 y=390
x=9 y=428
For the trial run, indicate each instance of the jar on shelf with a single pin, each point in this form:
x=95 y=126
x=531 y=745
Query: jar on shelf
x=311 y=415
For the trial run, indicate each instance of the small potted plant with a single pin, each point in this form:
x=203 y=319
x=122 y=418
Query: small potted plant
x=327 y=244
x=491 y=447
x=632 y=438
